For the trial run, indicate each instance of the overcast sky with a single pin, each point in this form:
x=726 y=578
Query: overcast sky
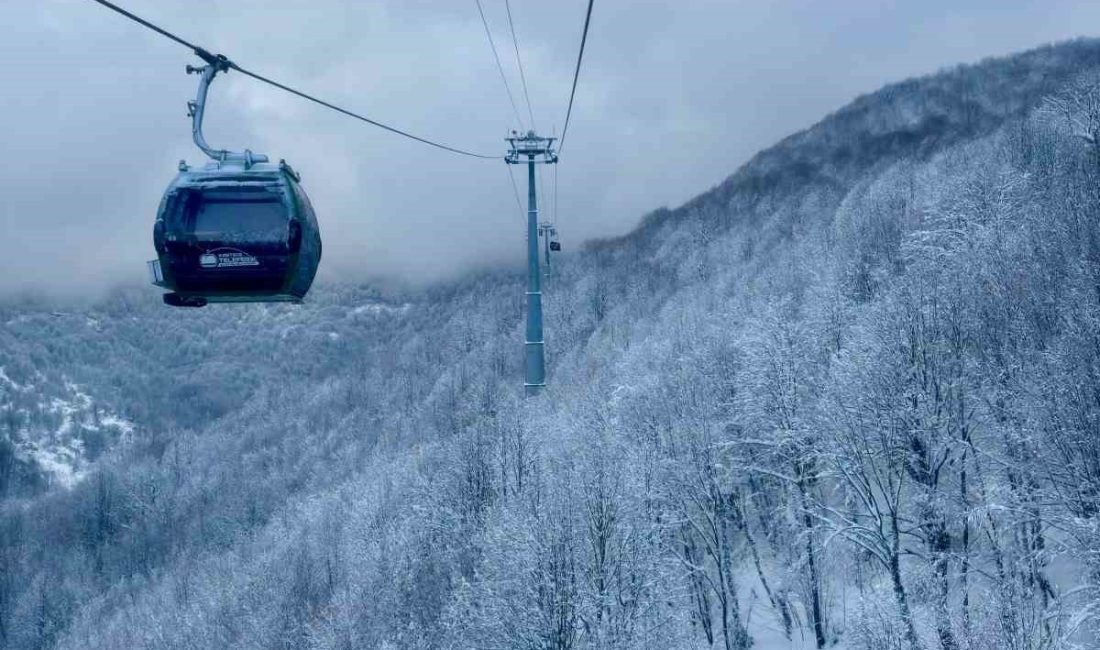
x=673 y=97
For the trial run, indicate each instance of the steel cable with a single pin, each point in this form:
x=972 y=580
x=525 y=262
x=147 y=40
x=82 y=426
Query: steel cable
x=218 y=60
x=500 y=67
x=576 y=75
x=519 y=62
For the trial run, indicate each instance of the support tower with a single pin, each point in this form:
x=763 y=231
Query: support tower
x=530 y=149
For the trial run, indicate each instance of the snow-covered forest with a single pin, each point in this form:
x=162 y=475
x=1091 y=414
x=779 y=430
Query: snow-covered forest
x=848 y=398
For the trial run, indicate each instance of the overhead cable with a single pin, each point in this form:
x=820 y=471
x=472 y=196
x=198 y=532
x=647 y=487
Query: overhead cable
x=226 y=64
x=519 y=62
x=515 y=190
x=500 y=68
x=576 y=75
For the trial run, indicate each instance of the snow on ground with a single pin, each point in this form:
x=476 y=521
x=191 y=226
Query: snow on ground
x=59 y=451
x=763 y=622
x=8 y=380
x=118 y=422
x=378 y=308
x=62 y=464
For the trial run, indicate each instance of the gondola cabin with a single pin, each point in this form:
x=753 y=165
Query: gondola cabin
x=240 y=229
x=235 y=232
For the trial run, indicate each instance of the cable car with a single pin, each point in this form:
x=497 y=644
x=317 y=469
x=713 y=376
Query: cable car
x=239 y=229
x=229 y=233
x=555 y=246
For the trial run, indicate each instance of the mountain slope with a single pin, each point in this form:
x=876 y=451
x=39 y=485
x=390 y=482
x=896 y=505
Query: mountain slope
x=847 y=396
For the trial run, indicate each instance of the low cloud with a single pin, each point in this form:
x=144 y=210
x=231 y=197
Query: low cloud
x=673 y=97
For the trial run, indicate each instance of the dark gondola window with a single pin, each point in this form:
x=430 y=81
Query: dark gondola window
x=249 y=220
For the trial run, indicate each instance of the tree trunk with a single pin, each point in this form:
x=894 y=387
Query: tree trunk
x=811 y=562
x=899 y=589
x=940 y=545
x=778 y=602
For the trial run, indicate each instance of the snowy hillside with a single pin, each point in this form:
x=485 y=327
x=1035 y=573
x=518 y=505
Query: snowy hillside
x=55 y=440
x=848 y=398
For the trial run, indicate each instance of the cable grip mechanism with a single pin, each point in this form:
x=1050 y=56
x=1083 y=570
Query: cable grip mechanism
x=196 y=110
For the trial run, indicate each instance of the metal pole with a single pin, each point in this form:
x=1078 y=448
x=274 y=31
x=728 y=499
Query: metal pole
x=536 y=361
x=537 y=151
